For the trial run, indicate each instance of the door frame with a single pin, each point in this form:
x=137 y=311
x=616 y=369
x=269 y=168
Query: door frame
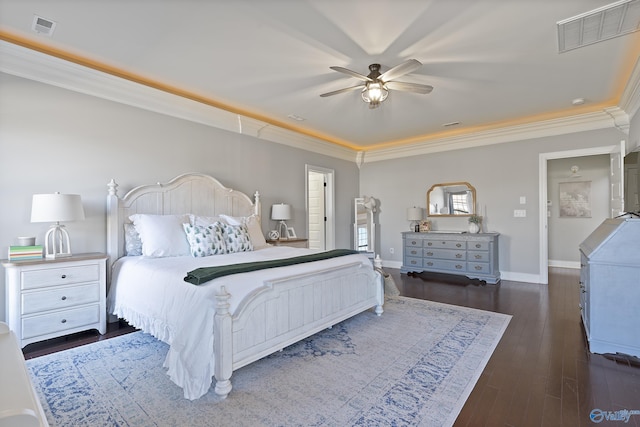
x=543 y=196
x=329 y=176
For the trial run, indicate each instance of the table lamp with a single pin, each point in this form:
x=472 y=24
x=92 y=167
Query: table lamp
x=281 y=212
x=56 y=208
x=414 y=216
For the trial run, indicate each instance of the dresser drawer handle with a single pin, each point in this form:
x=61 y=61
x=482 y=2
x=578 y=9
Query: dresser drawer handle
x=64 y=298
x=458 y=255
x=430 y=244
x=430 y=264
x=64 y=276
x=478 y=245
x=478 y=267
x=429 y=253
x=478 y=256
x=414 y=252
x=413 y=262
x=64 y=321
x=413 y=242
x=458 y=266
x=459 y=245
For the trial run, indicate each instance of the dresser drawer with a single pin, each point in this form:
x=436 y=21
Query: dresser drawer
x=445 y=244
x=446 y=265
x=58 y=298
x=413 y=262
x=413 y=243
x=478 y=267
x=60 y=321
x=33 y=279
x=478 y=246
x=413 y=251
x=445 y=254
x=478 y=256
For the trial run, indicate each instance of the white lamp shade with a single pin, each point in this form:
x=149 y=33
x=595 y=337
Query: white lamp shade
x=281 y=212
x=56 y=208
x=414 y=214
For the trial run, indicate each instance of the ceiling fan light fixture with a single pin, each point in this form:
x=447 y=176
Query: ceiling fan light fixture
x=374 y=93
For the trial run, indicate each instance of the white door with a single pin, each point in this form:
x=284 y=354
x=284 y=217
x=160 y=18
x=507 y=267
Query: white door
x=617 y=180
x=315 y=203
x=320 y=208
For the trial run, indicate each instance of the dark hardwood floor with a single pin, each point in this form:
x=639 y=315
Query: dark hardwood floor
x=540 y=374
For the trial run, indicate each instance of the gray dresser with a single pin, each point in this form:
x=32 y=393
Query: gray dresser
x=610 y=287
x=465 y=254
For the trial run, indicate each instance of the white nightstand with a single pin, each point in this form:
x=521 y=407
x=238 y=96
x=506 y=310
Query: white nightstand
x=48 y=298
x=296 y=243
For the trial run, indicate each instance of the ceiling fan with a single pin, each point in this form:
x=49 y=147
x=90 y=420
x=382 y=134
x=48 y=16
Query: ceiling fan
x=375 y=88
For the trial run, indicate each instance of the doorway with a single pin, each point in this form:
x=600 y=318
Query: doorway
x=320 y=207
x=616 y=153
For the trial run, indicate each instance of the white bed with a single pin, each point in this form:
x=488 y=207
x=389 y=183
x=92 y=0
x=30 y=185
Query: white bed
x=251 y=315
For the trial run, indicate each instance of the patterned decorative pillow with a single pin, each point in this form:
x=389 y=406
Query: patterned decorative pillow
x=205 y=241
x=236 y=238
x=132 y=241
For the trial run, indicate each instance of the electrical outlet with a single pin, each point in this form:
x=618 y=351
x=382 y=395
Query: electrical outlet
x=392 y=251
x=519 y=213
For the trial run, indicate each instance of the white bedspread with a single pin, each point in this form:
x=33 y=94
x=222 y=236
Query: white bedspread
x=151 y=294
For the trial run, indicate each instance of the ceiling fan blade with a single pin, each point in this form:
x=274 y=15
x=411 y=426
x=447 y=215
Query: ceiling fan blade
x=400 y=70
x=346 y=89
x=409 y=87
x=352 y=73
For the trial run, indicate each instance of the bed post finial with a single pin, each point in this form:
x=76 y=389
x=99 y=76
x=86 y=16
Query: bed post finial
x=257 y=207
x=113 y=187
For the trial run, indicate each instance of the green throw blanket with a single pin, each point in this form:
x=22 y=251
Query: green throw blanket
x=204 y=274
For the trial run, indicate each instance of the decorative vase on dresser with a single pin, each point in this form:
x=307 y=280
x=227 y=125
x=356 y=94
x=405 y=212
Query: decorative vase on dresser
x=49 y=298
x=610 y=287
x=472 y=255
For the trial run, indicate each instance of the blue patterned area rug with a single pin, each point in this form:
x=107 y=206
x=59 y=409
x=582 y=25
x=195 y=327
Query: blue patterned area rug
x=414 y=365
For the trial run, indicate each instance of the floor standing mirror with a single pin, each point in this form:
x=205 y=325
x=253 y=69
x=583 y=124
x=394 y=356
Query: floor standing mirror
x=364 y=227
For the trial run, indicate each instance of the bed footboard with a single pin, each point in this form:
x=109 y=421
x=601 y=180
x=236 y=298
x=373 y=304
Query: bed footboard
x=287 y=310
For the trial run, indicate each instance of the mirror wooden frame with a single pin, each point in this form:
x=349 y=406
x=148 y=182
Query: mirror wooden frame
x=470 y=188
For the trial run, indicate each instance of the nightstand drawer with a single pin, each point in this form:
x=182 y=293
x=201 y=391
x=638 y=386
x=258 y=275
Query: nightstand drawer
x=60 y=276
x=60 y=321
x=60 y=298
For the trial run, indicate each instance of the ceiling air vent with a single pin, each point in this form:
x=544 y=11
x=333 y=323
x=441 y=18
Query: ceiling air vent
x=613 y=20
x=43 y=26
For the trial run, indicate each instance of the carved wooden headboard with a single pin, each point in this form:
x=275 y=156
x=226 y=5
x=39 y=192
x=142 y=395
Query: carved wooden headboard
x=191 y=193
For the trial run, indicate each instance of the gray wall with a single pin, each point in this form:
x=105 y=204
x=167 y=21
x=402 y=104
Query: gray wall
x=566 y=233
x=52 y=139
x=501 y=174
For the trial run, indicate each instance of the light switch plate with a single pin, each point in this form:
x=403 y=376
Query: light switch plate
x=523 y=200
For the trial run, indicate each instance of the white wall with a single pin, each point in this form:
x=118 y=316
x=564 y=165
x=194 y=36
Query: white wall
x=52 y=139
x=566 y=233
x=501 y=174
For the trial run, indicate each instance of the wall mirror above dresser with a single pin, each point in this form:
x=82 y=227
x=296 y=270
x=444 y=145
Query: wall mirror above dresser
x=451 y=199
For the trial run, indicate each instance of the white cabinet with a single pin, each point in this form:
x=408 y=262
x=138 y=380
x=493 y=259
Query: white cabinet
x=471 y=255
x=610 y=287
x=50 y=298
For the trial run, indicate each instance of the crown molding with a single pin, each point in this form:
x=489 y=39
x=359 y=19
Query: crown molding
x=37 y=66
x=31 y=64
x=579 y=123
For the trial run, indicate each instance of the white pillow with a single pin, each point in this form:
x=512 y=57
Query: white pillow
x=203 y=221
x=162 y=235
x=253 y=225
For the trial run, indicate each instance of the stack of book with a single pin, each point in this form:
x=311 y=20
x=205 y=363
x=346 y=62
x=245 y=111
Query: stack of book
x=17 y=253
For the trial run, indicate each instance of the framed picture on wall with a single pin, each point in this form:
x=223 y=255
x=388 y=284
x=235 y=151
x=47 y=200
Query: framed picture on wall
x=291 y=233
x=575 y=199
